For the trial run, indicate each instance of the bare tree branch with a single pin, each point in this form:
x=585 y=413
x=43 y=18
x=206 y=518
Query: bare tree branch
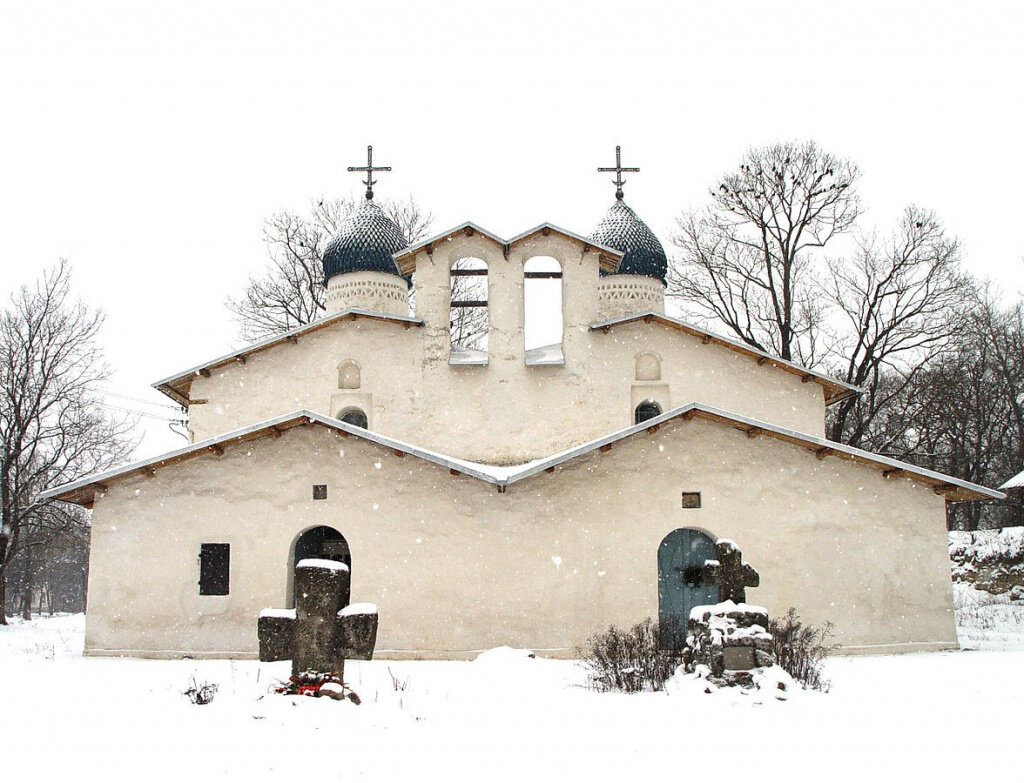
x=290 y=291
x=746 y=260
x=52 y=426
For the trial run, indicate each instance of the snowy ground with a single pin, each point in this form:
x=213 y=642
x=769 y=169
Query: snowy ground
x=502 y=717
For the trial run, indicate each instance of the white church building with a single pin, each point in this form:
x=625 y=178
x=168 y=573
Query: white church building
x=496 y=493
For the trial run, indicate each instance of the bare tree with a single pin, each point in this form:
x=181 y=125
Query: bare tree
x=52 y=426
x=746 y=260
x=290 y=291
x=960 y=412
x=896 y=301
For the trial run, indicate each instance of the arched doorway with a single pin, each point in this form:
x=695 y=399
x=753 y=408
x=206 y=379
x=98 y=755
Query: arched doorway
x=647 y=409
x=322 y=543
x=681 y=559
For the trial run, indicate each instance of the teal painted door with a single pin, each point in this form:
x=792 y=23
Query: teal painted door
x=681 y=557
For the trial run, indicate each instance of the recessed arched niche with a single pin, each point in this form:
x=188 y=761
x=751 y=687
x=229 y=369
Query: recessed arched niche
x=648 y=367
x=349 y=375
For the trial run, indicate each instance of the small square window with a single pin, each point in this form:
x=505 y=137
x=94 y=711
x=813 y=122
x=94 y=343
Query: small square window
x=214 y=569
x=319 y=492
x=691 y=500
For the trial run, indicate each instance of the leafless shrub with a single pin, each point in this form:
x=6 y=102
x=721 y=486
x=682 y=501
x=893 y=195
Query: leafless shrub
x=200 y=694
x=801 y=649
x=630 y=661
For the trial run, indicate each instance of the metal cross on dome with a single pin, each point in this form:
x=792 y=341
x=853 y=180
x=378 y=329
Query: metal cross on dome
x=618 y=169
x=369 y=168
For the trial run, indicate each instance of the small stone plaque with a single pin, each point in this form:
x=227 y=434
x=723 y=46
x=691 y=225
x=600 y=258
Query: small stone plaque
x=691 y=500
x=319 y=492
x=738 y=658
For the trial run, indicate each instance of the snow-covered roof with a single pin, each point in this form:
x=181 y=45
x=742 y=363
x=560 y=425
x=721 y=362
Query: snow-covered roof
x=176 y=386
x=1015 y=483
x=834 y=390
x=82 y=492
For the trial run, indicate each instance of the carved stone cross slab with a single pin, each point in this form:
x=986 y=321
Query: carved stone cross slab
x=323 y=629
x=730 y=573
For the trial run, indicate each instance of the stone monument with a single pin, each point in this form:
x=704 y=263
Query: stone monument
x=323 y=629
x=730 y=637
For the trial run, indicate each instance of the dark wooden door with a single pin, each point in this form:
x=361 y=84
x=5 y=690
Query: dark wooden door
x=681 y=557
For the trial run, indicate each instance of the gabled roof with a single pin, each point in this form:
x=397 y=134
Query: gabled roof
x=83 y=491
x=834 y=390
x=176 y=386
x=609 y=259
x=1017 y=482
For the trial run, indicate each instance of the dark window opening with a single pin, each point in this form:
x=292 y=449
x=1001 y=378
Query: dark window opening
x=646 y=410
x=354 y=416
x=319 y=492
x=691 y=500
x=214 y=569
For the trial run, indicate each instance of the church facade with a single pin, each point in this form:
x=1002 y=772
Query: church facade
x=490 y=492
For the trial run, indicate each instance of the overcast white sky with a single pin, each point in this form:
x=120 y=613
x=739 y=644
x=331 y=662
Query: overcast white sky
x=147 y=142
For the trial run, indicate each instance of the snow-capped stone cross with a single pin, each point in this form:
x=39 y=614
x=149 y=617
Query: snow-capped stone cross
x=730 y=573
x=323 y=629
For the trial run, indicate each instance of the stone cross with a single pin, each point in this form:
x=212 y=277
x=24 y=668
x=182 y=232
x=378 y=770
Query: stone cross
x=730 y=573
x=323 y=629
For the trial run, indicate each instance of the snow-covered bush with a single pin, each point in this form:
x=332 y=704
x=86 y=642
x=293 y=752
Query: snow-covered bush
x=990 y=560
x=801 y=649
x=630 y=661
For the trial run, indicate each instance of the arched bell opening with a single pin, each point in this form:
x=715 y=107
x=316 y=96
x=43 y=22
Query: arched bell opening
x=542 y=310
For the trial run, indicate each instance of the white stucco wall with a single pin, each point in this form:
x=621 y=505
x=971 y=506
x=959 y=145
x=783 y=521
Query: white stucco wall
x=456 y=567
x=506 y=411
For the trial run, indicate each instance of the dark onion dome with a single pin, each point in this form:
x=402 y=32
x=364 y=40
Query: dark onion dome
x=365 y=242
x=621 y=229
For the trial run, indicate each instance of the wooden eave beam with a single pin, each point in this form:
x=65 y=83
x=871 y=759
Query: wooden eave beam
x=216 y=449
x=823 y=452
x=753 y=432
